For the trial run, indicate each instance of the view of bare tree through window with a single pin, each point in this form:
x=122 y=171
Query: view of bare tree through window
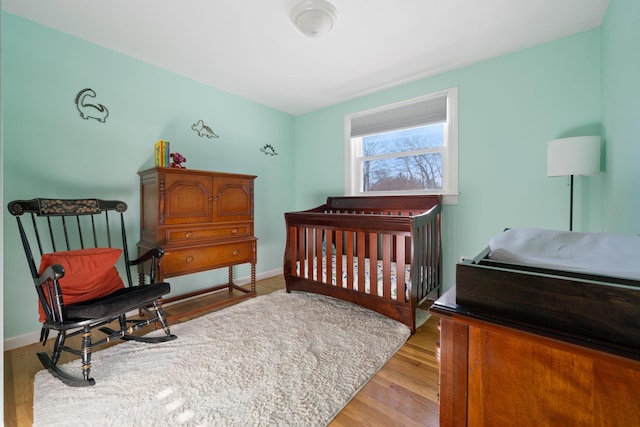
x=409 y=159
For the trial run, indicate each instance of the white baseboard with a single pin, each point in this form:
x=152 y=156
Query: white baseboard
x=21 y=340
x=34 y=337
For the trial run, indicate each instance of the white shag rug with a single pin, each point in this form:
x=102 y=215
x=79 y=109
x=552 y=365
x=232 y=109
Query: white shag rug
x=280 y=359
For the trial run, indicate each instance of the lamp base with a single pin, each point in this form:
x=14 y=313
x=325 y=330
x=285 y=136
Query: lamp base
x=571 y=206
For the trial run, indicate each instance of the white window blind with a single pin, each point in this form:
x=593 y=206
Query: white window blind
x=420 y=113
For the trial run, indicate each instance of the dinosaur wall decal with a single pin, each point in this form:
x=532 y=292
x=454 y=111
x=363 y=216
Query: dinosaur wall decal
x=204 y=130
x=88 y=110
x=269 y=150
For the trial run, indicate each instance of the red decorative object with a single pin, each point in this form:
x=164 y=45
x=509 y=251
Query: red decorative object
x=177 y=160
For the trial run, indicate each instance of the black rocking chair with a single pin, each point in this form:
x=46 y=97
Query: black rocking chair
x=77 y=282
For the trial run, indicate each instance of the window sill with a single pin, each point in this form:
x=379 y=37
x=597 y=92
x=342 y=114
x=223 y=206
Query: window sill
x=450 y=199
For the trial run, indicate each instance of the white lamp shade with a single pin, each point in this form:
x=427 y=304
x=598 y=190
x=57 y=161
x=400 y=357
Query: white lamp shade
x=314 y=18
x=579 y=155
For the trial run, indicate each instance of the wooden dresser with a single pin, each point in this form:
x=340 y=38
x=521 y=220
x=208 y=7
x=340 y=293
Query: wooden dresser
x=496 y=372
x=203 y=220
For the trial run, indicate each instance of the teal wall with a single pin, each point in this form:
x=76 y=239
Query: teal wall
x=621 y=116
x=49 y=150
x=509 y=107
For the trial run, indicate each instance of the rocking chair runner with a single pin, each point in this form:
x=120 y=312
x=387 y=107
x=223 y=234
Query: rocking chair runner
x=77 y=283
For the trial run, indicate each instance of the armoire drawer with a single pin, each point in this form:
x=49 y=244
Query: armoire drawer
x=189 y=260
x=201 y=234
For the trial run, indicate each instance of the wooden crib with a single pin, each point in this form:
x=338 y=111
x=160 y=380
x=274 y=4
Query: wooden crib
x=381 y=252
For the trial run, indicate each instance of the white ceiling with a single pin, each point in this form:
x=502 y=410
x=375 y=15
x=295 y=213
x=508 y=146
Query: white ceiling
x=250 y=47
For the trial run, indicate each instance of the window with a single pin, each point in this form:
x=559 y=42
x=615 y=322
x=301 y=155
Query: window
x=405 y=148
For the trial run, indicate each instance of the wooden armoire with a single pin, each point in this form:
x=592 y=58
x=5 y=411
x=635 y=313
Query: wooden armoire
x=203 y=220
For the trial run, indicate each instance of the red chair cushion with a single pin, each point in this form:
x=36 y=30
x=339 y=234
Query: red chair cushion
x=88 y=274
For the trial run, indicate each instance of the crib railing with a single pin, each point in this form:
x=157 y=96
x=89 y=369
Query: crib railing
x=338 y=257
x=334 y=248
x=427 y=256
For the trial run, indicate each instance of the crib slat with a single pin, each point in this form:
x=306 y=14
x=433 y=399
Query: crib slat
x=430 y=254
x=420 y=245
x=309 y=253
x=329 y=254
x=294 y=249
x=373 y=263
x=318 y=254
x=339 y=252
x=437 y=263
x=349 y=262
x=360 y=249
x=386 y=266
x=426 y=262
x=400 y=268
x=297 y=250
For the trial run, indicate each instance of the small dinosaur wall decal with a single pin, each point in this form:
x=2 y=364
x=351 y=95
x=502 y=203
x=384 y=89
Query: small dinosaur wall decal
x=88 y=110
x=204 y=130
x=269 y=150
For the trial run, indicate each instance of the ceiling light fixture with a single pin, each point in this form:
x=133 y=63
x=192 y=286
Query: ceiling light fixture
x=315 y=18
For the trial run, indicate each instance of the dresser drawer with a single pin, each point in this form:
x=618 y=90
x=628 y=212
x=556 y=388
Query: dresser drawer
x=177 y=235
x=189 y=260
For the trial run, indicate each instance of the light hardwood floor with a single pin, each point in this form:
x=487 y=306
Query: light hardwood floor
x=403 y=393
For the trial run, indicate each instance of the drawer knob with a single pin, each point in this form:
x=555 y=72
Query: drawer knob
x=189 y=259
x=234 y=231
x=188 y=234
x=235 y=252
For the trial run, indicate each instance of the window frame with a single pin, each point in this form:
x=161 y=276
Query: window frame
x=449 y=150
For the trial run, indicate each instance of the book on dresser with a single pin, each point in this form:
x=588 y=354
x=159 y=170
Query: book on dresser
x=203 y=221
x=161 y=156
